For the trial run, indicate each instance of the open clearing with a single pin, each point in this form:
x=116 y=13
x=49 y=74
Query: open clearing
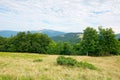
x=22 y=66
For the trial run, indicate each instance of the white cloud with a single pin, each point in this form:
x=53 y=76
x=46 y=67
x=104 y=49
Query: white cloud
x=63 y=15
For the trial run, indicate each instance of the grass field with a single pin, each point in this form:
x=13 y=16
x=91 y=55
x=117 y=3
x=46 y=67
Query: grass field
x=24 y=66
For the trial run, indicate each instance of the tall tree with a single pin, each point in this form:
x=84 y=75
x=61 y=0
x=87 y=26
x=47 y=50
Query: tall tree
x=3 y=43
x=89 y=41
x=28 y=42
x=59 y=47
x=108 y=44
x=67 y=49
x=118 y=47
x=51 y=49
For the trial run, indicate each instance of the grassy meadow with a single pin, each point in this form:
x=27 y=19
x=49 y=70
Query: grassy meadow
x=25 y=66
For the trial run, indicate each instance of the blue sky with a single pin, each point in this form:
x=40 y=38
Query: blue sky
x=61 y=15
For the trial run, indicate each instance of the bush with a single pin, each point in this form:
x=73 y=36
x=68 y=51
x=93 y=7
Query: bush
x=86 y=65
x=37 y=60
x=66 y=61
x=61 y=60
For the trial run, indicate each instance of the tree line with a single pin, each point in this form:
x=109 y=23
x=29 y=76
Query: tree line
x=25 y=42
x=93 y=43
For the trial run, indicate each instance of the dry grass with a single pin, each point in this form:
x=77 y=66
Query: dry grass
x=19 y=66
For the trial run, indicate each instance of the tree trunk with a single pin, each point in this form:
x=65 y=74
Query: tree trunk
x=87 y=53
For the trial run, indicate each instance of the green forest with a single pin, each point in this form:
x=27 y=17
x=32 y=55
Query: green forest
x=94 y=43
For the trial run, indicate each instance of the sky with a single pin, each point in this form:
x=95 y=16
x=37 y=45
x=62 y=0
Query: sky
x=61 y=15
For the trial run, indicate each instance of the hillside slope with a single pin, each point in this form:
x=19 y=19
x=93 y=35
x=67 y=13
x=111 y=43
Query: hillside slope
x=50 y=33
x=118 y=36
x=19 y=66
x=69 y=37
x=8 y=33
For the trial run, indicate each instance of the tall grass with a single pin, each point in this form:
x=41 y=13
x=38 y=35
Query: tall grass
x=21 y=66
x=8 y=77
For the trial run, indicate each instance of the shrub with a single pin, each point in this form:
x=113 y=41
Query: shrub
x=66 y=61
x=37 y=60
x=61 y=60
x=86 y=65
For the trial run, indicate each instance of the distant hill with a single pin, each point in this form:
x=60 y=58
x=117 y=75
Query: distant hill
x=50 y=33
x=118 y=36
x=69 y=37
x=8 y=33
x=55 y=35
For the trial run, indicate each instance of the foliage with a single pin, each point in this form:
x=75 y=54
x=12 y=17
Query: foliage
x=59 y=48
x=86 y=65
x=72 y=38
x=108 y=44
x=26 y=42
x=61 y=60
x=99 y=43
x=67 y=49
x=37 y=60
x=3 y=44
x=119 y=47
x=78 y=49
x=51 y=48
x=93 y=43
x=89 y=41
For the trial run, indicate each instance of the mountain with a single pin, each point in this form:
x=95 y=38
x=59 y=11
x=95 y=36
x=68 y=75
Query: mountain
x=55 y=35
x=8 y=33
x=50 y=33
x=118 y=36
x=72 y=37
x=69 y=37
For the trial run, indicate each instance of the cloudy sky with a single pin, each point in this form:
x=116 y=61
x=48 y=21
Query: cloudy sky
x=62 y=15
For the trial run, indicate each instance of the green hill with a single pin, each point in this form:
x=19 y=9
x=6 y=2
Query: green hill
x=50 y=33
x=69 y=37
x=118 y=36
x=7 y=33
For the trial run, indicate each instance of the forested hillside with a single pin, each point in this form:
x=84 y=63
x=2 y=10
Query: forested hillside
x=69 y=37
x=8 y=33
x=118 y=36
x=91 y=42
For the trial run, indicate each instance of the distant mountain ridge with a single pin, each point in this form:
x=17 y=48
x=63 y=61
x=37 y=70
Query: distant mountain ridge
x=69 y=37
x=54 y=35
x=72 y=37
x=50 y=33
x=8 y=33
x=118 y=36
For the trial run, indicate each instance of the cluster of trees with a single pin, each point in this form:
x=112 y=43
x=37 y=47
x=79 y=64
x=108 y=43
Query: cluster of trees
x=99 y=43
x=93 y=43
x=25 y=42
